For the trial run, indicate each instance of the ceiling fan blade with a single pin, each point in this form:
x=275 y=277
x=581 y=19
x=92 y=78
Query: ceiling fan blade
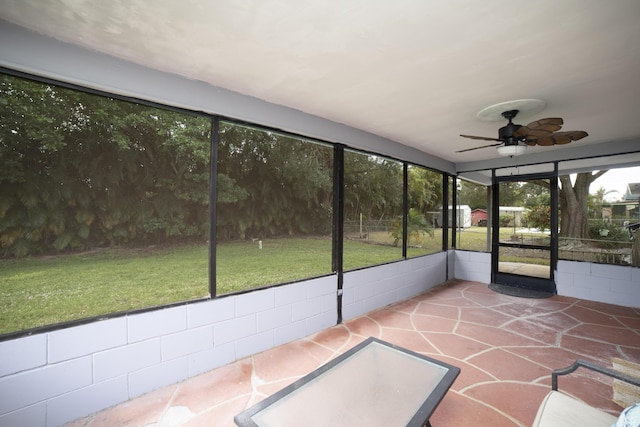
x=540 y=128
x=544 y=142
x=483 y=138
x=559 y=138
x=567 y=137
x=538 y=133
x=550 y=121
x=477 y=148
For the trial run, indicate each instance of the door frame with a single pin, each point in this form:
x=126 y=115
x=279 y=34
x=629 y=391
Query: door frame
x=515 y=280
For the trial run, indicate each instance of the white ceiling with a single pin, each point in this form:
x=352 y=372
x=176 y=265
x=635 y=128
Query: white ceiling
x=414 y=71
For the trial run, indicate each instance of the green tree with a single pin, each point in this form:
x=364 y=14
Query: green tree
x=417 y=228
x=79 y=170
x=538 y=216
x=425 y=189
x=471 y=194
x=596 y=202
x=373 y=186
x=534 y=193
x=573 y=200
x=272 y=184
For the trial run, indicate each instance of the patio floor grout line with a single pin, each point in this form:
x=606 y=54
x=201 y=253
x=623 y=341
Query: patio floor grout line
x=471 y=322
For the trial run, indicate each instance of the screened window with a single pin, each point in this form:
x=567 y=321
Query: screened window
x=451 y=186
x=602 y=226
x=473 y=216
x=274 y=208
x=372 y=210
x=424 y=198
x=104 y=205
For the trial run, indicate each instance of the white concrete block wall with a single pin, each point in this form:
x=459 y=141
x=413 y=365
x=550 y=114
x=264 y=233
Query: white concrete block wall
x=474 y=266
x=371 y=288
x=612 y=284
x=52 y=378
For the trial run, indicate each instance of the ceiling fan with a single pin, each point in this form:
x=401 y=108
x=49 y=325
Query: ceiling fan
x=513 y=139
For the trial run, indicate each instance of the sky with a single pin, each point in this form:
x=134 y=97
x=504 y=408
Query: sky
x=616 y=179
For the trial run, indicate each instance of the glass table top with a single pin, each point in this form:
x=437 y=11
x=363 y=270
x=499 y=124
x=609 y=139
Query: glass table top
x=373 y=384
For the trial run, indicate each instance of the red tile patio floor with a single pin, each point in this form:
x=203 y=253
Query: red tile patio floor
x=505 y=346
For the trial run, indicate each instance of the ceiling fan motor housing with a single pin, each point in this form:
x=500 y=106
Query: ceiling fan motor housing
x=506 y=134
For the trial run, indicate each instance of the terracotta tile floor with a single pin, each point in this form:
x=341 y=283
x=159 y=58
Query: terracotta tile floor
x=505 y=346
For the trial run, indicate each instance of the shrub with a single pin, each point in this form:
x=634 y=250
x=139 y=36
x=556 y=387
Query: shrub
x=615 y=236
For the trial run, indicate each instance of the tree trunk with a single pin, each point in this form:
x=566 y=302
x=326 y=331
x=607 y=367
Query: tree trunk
x=573 y=204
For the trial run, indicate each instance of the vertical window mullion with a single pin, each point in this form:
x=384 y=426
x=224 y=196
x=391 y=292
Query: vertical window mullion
x=338 y=223
x=445 y=213
x=454 y=211
x=215 y=139
x=405 y=208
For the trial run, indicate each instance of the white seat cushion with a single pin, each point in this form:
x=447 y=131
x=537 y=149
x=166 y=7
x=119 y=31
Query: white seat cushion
x=559 y=410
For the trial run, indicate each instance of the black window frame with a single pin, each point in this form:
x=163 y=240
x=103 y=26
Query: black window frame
x=337 y=266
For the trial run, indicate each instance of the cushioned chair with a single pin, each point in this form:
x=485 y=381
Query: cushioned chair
x=561 y=410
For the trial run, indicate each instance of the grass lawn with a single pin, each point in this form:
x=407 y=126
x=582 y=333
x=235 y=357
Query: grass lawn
x=40 y=291
x=472 y=239
x=243 y=265
x=45 y=290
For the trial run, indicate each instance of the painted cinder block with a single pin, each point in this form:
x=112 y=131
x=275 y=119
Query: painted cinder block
x=474 y=266
x=254 y=344
x=408 y=291
x=290 y=332
x=288 y=294
x=34 y=415
x=563 y=279
x=357 y=308
x=122 y=360
x=612 y=284
x=85 y=401
x=156 y=376
x=598 y=284
x=23 y=353
x=611 y=271
x=274 y=318
x=367 y=275
x=362 y=291
x=436 y=275
x=329 y=302
x=574 y=267
x=255 y=302
x=601 y=293
x=368 y=304
x=463 y=256
x=467 y=273
x=157 y=323
x=381 y=300
x=187 y=342
x=27 y=388
x=628 y=288
x=234 y=329
x=383 y=287
x=207 y=360
x=321 y=286
x=320 y=322
x=87 y=339
x=307 y=308
x=210 y=312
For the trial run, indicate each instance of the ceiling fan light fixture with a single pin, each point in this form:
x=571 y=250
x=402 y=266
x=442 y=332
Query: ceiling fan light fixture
x=511 y=150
